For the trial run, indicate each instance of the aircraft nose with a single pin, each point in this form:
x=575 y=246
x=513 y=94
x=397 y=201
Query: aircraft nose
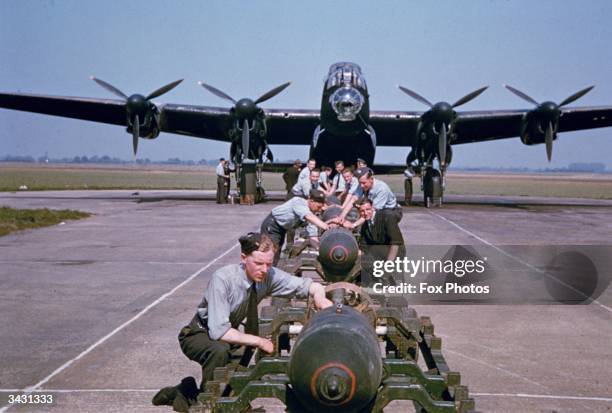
x=347 y=103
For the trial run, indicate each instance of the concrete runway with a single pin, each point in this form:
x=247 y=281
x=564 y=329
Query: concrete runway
x=90 y=310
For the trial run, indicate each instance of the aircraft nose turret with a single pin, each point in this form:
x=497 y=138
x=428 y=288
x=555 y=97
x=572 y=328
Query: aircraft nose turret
x=347 y=103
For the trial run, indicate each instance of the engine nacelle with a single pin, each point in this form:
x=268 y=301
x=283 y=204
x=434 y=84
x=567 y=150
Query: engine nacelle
x=150 y=133
x=343 y=377
x=534 y=137
x=148 y=121
x=533 y=128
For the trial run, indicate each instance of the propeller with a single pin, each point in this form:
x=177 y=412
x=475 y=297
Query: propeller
x=549 y=140
x=442 y=145
x=442 y=114
x=135 y=133
x=549 y=112
x=245 y=137
x=217 y=92
x=136 y=105
x=246 y=109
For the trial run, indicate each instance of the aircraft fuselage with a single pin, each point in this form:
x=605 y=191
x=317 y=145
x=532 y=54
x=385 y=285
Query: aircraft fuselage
x=344 y=133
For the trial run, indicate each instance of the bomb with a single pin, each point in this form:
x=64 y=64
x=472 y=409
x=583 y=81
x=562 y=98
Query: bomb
x=343 y=377
x=334 y=211
x=338 y=252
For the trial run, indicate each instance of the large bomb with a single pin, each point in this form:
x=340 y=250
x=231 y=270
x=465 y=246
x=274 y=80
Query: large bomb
x=338 y=251
x=336 y=364
x=334 y=211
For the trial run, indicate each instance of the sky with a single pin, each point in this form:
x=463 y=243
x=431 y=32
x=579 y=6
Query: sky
x=441 y=49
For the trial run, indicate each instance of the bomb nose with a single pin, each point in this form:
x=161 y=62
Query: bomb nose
x=334 y=387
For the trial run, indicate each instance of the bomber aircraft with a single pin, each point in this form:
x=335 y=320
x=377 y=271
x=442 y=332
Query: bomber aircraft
x=343 y=129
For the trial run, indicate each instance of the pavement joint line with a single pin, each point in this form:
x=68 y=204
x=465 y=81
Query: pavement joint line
x=533 y=267
x=493 y=366
x=478 y=394
x=543 y=396
x=67 y=364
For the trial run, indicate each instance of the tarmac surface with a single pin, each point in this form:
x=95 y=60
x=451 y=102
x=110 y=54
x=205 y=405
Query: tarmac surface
x=90 y=310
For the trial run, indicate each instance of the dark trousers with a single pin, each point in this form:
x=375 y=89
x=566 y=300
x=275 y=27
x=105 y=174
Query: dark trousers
x=199 y=347
x=277 y=234
x=398 y=212
x=222 y=190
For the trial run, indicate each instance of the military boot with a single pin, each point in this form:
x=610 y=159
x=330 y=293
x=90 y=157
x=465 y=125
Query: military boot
x=186 y=395
x=165 y=397
x=179 y=396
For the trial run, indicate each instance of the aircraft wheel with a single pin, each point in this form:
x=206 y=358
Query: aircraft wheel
x=260 y=195
x=432 y=188
x=408 y=191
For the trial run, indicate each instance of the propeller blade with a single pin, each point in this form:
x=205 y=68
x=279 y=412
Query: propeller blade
x=272 y=93
x=163 y=89
x=245 y=138
x=576 y=96
x=217 y=92
x=521 y=94
x=549 y=141
x=470 y=96
x=415 y=95
x=109 y=87
x=135 y=133
x=442 y=145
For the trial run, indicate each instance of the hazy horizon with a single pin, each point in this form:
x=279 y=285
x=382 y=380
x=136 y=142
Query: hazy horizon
x=442 y=50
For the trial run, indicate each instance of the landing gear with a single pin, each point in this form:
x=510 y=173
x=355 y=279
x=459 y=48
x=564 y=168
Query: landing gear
x=408 y=191
x=432 y=188
x=249 y=181
x=260 y=194
x=250 y=184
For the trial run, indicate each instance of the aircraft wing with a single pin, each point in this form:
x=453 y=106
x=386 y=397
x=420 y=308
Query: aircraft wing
x=197 y=121
x=291 y=127
x=285 y=126
x=399 y=128
x=97 y=110
x=395 y=128
x=296 y=126
x=486 y=126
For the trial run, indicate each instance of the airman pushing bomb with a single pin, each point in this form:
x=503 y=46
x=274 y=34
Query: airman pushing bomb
x=231 y=296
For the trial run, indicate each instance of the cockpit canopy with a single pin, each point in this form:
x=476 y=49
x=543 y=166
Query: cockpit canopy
x=345 y=73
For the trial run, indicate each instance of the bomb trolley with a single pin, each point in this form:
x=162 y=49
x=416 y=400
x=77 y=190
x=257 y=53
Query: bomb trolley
x=356 y=356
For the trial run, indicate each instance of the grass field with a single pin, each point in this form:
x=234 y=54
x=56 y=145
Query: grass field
x=17 y=219
x=56 y=177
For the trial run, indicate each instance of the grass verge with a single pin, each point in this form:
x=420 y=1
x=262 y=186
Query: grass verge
x=74 y=177
x=17 y=219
